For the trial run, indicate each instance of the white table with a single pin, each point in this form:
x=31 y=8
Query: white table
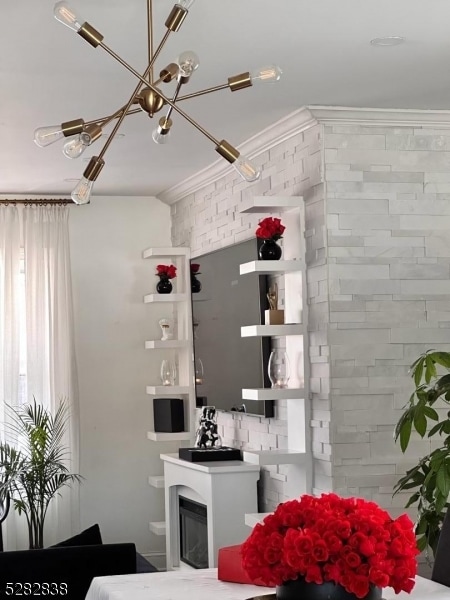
x=204 y=585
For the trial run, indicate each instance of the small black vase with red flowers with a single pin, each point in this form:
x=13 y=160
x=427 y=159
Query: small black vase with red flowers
x=270 y=230
x=165 y=274
x=196 y=284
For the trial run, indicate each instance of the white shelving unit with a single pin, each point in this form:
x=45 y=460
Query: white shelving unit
x=264 y=394
x=273 y=457
x=181 y=345
x=251 y=519
x=156 y=481
x=166 y=345
x=157 y=527
x=292 y=267
x=270 y=267
x=156 y=436
x=165 y=298
x=272 y=330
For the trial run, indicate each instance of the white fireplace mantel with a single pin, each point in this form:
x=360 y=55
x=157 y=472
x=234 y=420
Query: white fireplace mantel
x=226 y=488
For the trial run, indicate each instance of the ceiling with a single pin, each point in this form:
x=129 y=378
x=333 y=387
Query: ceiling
x=49 y=74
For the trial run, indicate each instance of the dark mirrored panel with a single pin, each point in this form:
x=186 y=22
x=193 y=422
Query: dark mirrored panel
x=225 y=362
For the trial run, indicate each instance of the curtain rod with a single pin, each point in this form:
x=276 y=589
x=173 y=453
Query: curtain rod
x=41 y=202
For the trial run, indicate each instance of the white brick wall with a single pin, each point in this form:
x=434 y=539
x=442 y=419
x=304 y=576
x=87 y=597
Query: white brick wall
x=378 y=258
x=209 y=219
x=389 y=261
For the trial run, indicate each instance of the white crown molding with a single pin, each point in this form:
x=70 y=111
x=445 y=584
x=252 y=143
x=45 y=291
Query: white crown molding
x=394 y=117
x=301 y=120
x=42 y=197
x=278 y=132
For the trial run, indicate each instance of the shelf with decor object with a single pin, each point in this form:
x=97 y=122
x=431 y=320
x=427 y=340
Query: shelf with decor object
x=284 y=217
x=264 y=394
x=270 y=267
x=181 y=436
x=272 y=330
x=177 y=335
x=270 y=204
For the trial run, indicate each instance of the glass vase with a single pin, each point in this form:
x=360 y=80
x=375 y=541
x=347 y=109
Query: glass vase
x=278 y=369
x=168 y=372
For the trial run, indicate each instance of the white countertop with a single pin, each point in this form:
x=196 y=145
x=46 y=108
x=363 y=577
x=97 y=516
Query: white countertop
x=204 y=585
x=219 y=466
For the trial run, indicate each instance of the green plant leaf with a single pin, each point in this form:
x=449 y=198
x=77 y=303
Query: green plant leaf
x=442 y=358
x=431 y=413
x=430 y=369
x=414 y=498
x=420 y=421
x=436 y=428
x=405 y=434
x=417 y=373
x=422 y=543
x=443 y=480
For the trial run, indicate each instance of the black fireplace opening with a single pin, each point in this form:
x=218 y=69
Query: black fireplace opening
x=193 y=533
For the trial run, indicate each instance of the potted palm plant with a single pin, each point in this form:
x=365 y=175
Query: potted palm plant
x=33 y=469
x=429 y=479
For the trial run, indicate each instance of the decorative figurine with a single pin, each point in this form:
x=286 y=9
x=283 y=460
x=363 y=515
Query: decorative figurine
x=207 y=436
x=165 y=328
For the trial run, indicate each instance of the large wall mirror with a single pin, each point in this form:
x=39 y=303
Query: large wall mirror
x=226 y=363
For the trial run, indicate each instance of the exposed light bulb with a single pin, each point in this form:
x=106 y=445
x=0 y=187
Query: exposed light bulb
x=269 y=74
x=186 y=4
x=188 y=62
x=246 y=169
x=82 y=192
x=159 y=137
x=67 y=16
x=74 y=148
x=44 y=136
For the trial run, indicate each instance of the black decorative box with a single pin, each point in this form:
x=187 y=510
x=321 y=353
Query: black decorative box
x=209 y=454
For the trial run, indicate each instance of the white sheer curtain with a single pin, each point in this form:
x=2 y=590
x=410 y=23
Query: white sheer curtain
x=9 y=329
x=50 y=352
x=51 y=368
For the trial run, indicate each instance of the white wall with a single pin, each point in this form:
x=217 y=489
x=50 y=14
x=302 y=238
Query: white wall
x=111 y=323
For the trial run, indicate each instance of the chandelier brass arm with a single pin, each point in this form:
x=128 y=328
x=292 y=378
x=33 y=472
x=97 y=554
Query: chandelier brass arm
x=148 y=95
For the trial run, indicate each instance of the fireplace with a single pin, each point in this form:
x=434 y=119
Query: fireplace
x=193 y=533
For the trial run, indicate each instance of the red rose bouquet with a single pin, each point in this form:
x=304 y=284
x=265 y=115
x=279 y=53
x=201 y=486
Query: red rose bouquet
x=349 y=541
x=270 y=228
x=166 y=271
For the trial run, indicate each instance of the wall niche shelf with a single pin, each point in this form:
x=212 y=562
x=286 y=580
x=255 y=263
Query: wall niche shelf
x=157 y=527
x=156 y=481
x=156 y=436
x=149 y=298
x=270 y=204
x=167 y=390
x=166 y=345
x=270 y=267
x=273 y=394
x=272 y=330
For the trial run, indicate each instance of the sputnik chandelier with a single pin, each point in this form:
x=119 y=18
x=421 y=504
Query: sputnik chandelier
x=147 y=95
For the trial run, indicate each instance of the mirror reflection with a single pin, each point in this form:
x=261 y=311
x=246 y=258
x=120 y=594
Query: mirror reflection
x=225 y=301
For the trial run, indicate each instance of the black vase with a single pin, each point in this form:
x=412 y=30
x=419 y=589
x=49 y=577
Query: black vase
x=164 y=286
x=301 y=590
x=269 y=250
x=196 y=284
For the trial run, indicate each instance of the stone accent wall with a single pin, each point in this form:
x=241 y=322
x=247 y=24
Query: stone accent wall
x=388 y=218
x=377 y=212
x=207 y=220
